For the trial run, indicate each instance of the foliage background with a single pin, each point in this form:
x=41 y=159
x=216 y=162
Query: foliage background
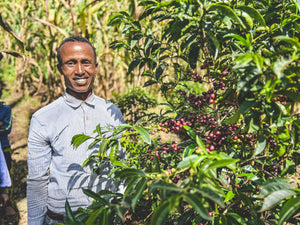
x=32 y=30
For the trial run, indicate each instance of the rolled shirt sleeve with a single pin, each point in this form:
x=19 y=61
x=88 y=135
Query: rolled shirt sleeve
x=39 y=159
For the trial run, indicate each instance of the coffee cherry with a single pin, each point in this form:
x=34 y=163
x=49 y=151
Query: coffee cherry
x=224 y=73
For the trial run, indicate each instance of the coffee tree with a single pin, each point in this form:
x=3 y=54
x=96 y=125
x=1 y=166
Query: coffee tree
x=228 y=73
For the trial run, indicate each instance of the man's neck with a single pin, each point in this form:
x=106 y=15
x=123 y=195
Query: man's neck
x=81 y=96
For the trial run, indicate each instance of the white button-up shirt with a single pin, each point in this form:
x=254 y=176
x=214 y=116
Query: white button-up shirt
x=55 y=171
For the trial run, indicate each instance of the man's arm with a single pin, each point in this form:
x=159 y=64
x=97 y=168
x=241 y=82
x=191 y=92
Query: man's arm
x=39 y=158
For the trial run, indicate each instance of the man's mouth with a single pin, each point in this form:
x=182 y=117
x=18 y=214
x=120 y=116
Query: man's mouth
x=81 y=81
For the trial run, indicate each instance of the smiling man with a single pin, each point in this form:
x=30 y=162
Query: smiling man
x=55 y=172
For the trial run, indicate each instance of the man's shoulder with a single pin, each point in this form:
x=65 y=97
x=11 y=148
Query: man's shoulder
x=50 y=108
x=106 y=103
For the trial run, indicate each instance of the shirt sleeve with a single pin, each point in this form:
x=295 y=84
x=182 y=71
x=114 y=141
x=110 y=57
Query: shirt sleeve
x=39 y=159
x=7 y=120
x=5 y=180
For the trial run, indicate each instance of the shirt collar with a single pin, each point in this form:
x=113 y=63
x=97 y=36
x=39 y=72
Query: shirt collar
x=75 y=103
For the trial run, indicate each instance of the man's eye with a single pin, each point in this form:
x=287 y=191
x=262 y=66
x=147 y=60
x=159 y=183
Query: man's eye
x=86 y=63
x=70 y=63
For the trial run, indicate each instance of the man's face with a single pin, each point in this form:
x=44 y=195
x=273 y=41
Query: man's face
x=78 y=68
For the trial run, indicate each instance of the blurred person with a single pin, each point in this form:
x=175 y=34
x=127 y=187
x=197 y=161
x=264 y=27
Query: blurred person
x=5 y=129
x=55 y=172
x=5 y=182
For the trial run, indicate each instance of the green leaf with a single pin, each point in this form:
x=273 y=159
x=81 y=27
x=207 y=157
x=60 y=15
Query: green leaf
x=254 y=13
x=135 y=40
x=94 y=195
x=130 y=172
x=226 y=11
x=139 y=189
x=246 y=105
x=149 y=83
x=93 y=216
x=144 y=134
x=121 y=128
x=159 y=71
x=131 y=184
x=189 y=40
x=69 y=212
x=189 y=150
x=188 y=161
x=230 y=195
x=260 y=145
x=297 y=3
x=160 y=214
x=237 y=218
x=290 y=167
x=114 y=150
x=216 y=43
x=212 y=194
x=291 y=207
x=190 y=132
x=195 y=202
x=233 y=119
x=275 y=184
x=290 y=40
x=79 y=139
x=242 y=40
x=201 y=144
x=222 y=163
x=280 y=65
x=275 y=198
x=163 y=186
x=133 y=64
x=103 y=147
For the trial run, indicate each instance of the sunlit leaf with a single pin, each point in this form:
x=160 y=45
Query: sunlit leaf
x=275 y=198
x=79 y=139
x=290 y=208
x=254 y=13
x=222 y=163
x=227 y=11
x=144 y=134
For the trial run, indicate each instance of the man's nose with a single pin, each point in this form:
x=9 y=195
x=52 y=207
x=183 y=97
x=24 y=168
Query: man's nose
x=79 y=69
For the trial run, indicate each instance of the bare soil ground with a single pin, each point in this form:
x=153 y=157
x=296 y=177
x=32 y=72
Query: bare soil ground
x=22 y=110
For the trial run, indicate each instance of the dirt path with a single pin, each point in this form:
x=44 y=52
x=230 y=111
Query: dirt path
x=22 y=111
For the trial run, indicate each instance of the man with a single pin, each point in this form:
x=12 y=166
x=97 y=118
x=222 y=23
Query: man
x=55 y=172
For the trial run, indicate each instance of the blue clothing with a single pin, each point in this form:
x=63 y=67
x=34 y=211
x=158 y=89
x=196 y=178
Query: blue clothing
x=5 y=180
x=55 y=171
x=6 y=118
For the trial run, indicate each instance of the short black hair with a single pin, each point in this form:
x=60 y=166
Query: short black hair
x=74 y=38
